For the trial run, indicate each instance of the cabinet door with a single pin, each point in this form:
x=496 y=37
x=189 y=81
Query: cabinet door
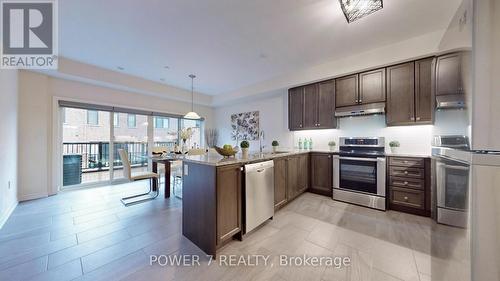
x=346 y=91
x=326 y=105
x=303 y=173
x=311 y=106
x=292 y=178
x=424 y=94
x=400 y=94
x=280 y=182
x=295 y=108
x=372 y=86
x=448 y=75
x=321 y=173
x=228 y=202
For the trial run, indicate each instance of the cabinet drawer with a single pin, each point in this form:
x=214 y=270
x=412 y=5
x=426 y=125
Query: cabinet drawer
x=407 y=197
x=407 y=182
x=406 y=172
x=406 y=162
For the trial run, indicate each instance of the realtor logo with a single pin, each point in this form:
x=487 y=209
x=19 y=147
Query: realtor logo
x=29 y=34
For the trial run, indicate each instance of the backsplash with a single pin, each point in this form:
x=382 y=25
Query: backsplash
x=413 y=139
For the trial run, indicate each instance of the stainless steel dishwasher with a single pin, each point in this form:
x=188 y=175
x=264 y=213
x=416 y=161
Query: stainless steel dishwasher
x=259 y=194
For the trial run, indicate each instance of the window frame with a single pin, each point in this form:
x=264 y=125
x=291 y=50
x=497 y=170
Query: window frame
x=89 y=111
x=128 y=121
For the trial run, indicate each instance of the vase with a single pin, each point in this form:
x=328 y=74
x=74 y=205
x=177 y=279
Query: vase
x=394 y=149
x=184 y=146
x=244 y=153
x=275 y=149
x=332 y=147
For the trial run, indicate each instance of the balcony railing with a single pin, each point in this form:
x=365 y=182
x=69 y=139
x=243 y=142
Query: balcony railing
x=95 y=155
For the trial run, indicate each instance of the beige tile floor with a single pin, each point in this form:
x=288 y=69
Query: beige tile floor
x=89 y=235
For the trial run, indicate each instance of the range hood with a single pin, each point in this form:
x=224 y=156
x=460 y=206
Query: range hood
x=450 y=101
x=362 y=109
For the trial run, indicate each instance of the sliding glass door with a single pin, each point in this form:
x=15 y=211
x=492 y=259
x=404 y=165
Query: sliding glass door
x=85 y=144
x=92 y=135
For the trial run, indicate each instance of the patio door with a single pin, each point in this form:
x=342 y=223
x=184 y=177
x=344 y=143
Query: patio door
x=85 y=146
x=131 y=131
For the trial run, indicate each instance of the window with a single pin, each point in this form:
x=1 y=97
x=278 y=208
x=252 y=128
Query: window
x=92 y=117
x=131 y=121
x=116 y=119
x=64 y=115
x=161 y=122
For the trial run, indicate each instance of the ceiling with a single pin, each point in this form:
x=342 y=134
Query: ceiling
x=230 y=44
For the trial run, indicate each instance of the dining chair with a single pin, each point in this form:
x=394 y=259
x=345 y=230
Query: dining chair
x=127 y=172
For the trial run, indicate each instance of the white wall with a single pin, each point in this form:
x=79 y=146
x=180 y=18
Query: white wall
x=8 y=142
x=38 y=114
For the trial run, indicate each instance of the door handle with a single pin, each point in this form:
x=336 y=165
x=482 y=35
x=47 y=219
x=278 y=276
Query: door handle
x=260 y=170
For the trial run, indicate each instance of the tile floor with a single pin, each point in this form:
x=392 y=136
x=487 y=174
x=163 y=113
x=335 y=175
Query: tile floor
x=89 y=235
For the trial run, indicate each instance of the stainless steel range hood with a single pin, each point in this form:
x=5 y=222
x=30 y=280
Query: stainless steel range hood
x=362 y=109
x=450 y=101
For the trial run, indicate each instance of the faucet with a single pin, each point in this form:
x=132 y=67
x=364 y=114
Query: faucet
x=261 y=139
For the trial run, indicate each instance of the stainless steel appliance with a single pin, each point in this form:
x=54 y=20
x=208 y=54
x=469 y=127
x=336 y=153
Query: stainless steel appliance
x=359 y=172
x=362 y=109
x=451 y=160
x=259 y=194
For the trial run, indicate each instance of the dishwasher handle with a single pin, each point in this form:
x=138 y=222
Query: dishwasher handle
x=259 y=167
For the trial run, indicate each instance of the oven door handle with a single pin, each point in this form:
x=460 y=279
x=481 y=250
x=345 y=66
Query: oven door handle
x=454 y=167
x=359 y=159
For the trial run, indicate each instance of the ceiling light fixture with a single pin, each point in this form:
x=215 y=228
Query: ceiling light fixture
x=192 y=115
x=356 y=9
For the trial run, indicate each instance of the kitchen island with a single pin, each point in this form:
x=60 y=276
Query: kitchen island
x=213 y=189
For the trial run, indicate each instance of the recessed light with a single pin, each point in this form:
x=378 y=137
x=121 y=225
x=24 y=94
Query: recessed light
x=120 y=68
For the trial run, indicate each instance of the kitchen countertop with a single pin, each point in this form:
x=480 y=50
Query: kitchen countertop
x=214 y=159
x=218 y=160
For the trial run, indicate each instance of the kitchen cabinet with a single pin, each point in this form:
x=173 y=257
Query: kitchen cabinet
x=280 y=182
x=410 y=94
x=297 y=179
x=321 y=173
x=401 y=94
x=409 y=185
x=372 y=86
x=229 y=194
x=326 y=105
x=346 y=90
x=424 y=91
x=296 y=108
x=449 y=74
x=311 y=106
x=303 y=173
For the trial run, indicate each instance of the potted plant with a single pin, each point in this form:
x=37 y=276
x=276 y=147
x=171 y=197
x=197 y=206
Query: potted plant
x=275 y=145
x=394 y=145
x=244 y=148
x=331 y=145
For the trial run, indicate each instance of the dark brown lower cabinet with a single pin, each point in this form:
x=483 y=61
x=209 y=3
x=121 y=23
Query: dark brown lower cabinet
x=280 y=177
x=321 y=173
x=229 y=197
x=409 y=185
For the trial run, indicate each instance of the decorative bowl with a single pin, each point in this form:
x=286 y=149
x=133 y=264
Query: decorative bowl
x=227 y=152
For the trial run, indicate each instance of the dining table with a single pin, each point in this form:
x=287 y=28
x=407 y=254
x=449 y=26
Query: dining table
x=165 y=160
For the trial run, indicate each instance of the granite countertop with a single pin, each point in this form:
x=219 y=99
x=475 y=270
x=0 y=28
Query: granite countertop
x=218 y=160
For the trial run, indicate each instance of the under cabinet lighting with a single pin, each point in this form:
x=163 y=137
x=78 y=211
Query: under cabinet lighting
x=356 y=9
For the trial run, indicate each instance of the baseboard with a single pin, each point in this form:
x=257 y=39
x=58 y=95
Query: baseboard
x=5 y=217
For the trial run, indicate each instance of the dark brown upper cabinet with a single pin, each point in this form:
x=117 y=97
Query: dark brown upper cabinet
x=326 y=105
x=448 y=75
x=410 y=95
x=424 y=91
x=346 y=91
x=312 y=106
x=372 y=86
x=296 y=108
x=401 y=94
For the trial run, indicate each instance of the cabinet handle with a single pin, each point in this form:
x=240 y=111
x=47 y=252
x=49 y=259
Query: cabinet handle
x=300 y=125
x=360 y=101
x=405 y=161
x=418 y=118
x=406 y=172
x=405 y=183
x=329 y=156
x=406 y=198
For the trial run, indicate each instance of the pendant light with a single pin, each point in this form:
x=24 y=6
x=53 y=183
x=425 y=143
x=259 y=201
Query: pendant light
x=192 y=115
